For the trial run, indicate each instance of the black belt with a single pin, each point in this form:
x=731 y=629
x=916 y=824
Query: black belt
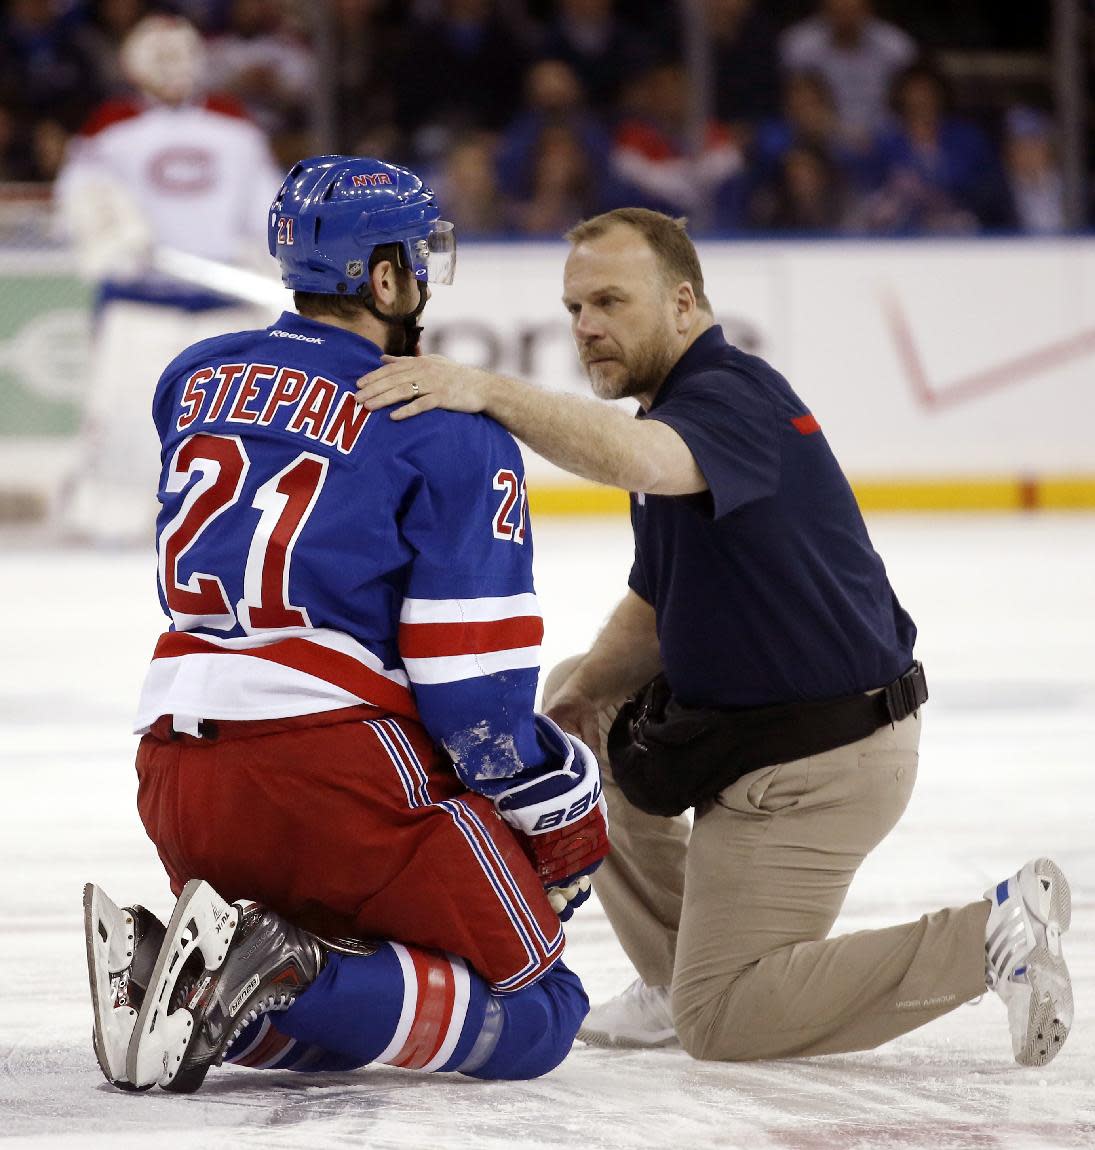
x=666 y=757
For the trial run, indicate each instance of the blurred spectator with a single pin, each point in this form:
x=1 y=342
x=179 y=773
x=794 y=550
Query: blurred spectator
x=566 y=187
x=16 y=156
x=100 y=37
x=940 y=173
x=858 y=54
x=651 y=151
x=553 y=99
x=603 y=49
x=458 y=69
x=210 y=17
x=745 y=60
x=270 y=72
x=1035 y=186
x=43 y=66
x=363 y=39
x=809 y=117
x=49 y=142
x=466 y=185
x=807 y=194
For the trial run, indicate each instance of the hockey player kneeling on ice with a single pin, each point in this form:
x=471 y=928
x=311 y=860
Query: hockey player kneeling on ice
x=339 y=722
x=238 y=983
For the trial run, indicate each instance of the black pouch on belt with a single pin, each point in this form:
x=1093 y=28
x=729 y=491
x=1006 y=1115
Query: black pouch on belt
x=666 y=757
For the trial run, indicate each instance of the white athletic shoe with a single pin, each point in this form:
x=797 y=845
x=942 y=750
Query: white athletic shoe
x=638 y=1017
x=122 y=944
x=1023 y=960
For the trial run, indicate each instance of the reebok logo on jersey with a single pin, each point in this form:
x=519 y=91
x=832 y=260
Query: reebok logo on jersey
x=279 y=334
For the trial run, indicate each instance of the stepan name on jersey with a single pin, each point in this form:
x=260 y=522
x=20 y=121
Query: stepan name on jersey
x=267 y=394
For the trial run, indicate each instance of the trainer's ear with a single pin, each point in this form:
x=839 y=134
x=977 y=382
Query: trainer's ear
x=685 y=306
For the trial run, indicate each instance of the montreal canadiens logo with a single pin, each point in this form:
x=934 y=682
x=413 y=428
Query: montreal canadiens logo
x=182 y=171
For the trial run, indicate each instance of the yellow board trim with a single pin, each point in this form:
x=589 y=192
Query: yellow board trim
x=967 y=493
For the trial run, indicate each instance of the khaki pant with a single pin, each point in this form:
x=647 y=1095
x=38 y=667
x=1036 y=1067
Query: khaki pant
x=734 y=914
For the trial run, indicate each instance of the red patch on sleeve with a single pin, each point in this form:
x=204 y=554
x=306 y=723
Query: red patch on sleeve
x=806 y=424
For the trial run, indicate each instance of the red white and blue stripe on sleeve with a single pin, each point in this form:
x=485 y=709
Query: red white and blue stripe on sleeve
x=473 y=664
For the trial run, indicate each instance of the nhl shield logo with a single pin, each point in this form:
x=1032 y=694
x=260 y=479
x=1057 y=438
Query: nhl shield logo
x=354 y=268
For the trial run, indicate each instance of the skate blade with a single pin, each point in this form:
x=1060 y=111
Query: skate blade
x=201 y=922
x=109 y=937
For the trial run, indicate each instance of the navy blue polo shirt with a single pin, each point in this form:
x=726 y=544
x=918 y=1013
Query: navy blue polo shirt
x=766 y=587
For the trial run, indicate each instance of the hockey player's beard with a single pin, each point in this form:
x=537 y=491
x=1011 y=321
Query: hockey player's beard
x=402 y=338
x=399 y=341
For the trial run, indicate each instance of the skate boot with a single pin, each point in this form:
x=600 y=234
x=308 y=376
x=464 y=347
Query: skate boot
x=638 y=1017
x=122 y=944
x=221 y=966
x=1023 y=960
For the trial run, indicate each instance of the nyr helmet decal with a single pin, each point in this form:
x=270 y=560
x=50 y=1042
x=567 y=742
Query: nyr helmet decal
x=332 y=211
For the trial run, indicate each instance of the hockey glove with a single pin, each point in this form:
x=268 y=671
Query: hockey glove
x=562 y=819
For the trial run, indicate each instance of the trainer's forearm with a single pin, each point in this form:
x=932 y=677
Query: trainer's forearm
x=583 y=436
x=623 y=657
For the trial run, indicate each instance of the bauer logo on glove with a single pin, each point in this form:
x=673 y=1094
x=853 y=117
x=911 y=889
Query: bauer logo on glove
x=549 y=820
x=561 y=819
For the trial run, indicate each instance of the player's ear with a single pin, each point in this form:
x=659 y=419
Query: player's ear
x=384 y=281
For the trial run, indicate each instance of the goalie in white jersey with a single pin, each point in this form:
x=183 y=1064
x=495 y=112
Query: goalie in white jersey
x=169 y=169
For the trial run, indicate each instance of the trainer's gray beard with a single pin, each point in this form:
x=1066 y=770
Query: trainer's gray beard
x=646 y=367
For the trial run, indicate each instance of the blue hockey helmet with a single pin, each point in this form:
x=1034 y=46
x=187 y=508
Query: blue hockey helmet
x=332 y=211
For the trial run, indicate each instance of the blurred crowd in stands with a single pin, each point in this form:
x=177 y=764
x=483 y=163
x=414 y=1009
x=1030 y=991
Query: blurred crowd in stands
x=834 y=116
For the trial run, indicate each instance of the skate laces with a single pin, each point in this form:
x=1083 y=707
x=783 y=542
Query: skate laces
x=269 y=1004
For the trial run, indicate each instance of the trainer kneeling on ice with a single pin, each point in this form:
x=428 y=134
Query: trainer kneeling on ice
x=782 y=699
x=339 y=723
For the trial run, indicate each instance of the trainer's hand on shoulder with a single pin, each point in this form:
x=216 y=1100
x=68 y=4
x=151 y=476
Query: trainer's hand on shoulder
x=422 y=383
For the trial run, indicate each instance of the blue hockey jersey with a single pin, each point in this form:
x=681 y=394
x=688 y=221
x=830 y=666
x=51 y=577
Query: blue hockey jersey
x=313 y=555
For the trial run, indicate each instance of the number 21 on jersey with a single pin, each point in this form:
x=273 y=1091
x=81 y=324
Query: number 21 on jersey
x=509 y=519
x=284 y=501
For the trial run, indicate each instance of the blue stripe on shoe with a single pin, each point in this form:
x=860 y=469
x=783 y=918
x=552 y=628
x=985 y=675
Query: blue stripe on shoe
x=1002 y=892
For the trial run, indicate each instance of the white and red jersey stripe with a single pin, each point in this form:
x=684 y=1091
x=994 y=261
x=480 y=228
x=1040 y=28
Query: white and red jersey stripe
x=447 y=640
x=307 y=573
x=274 y=675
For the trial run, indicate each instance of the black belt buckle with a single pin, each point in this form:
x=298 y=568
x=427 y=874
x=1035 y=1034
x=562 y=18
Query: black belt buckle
x=907 y=694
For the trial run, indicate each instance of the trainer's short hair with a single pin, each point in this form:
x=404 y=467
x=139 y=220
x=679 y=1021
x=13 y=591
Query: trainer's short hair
x=667 y=238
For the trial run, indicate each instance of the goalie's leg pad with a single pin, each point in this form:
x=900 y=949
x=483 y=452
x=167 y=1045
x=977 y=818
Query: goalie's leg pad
x=121 y=943
x=203 y=924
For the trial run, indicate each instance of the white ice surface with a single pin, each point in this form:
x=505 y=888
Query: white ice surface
x=1006 y=609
